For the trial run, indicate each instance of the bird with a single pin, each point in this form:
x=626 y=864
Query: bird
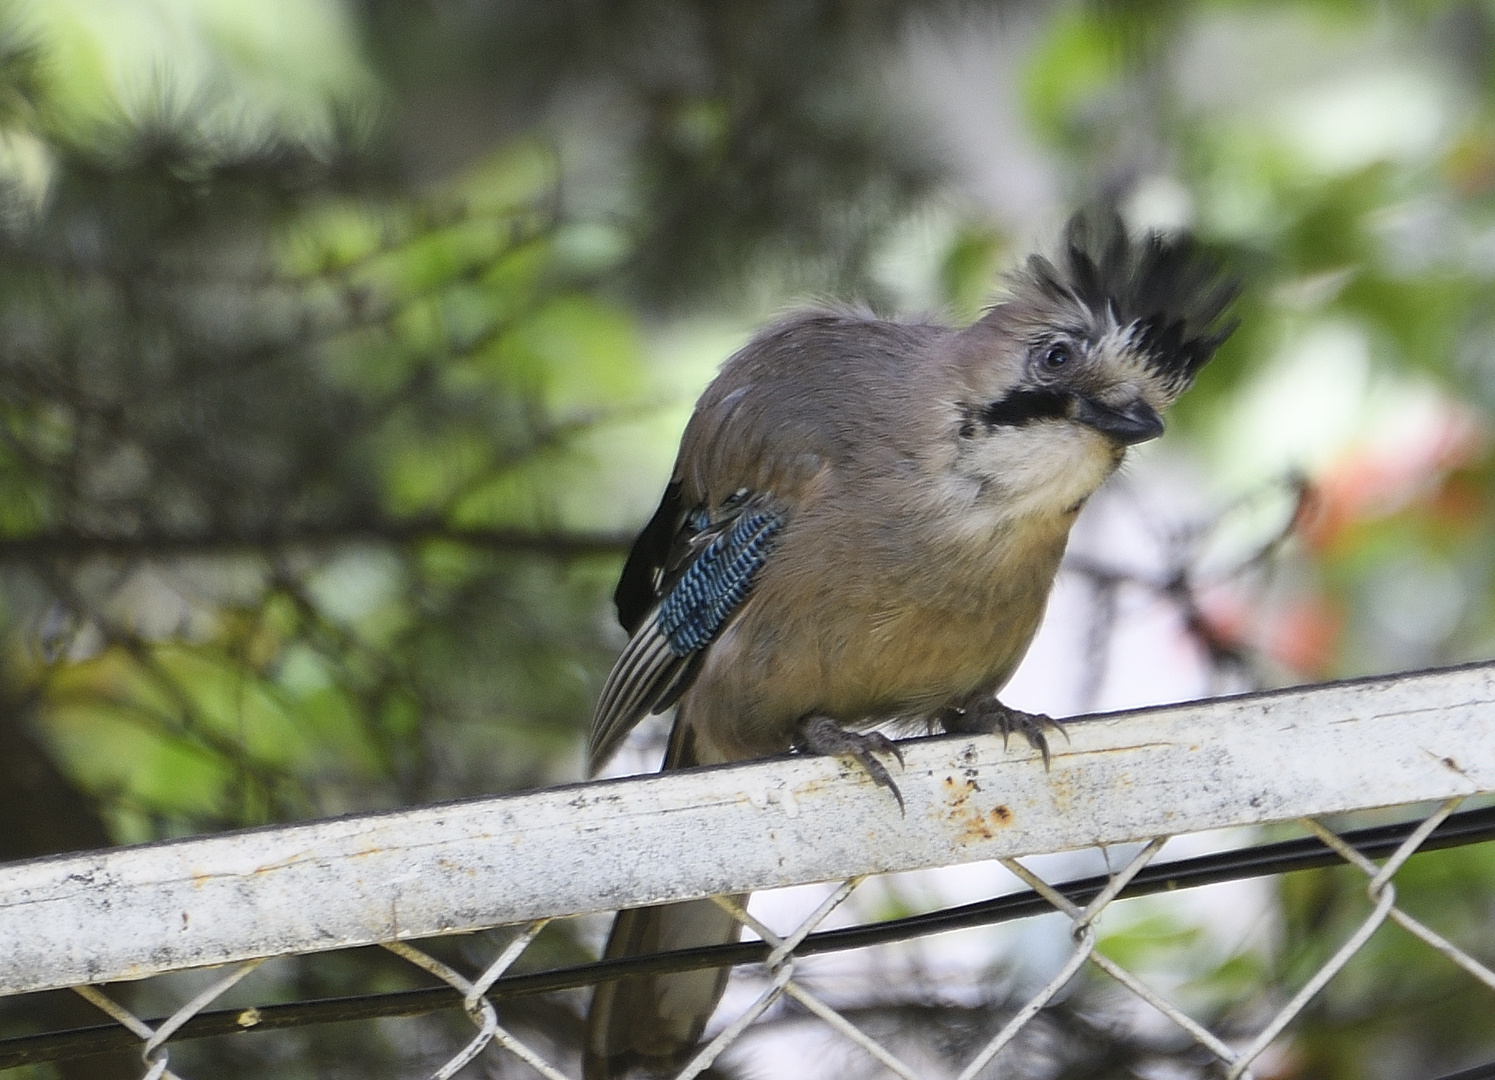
x=863 y=524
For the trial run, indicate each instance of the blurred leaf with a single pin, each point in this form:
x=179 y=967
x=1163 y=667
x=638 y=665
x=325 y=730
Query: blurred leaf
x=1075 y=62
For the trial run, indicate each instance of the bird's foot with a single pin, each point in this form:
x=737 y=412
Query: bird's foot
x=822 y=735
x=987 y=716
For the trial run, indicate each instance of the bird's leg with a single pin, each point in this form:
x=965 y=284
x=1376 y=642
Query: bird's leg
x=822 y=735
x=985 y=715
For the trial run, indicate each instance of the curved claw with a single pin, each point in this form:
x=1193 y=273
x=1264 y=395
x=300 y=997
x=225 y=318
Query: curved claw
x=987 y=716
x=822 y=735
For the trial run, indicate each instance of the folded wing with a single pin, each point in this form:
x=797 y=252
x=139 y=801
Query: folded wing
x=689 y=572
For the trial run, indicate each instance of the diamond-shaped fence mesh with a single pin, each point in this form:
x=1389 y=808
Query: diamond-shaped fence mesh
x=1424 y=743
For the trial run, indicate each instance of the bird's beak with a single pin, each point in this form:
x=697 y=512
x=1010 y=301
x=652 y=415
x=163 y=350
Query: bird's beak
x=1133 y=423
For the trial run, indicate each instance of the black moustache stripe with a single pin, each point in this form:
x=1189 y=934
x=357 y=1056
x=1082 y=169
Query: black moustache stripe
x=1025 y=406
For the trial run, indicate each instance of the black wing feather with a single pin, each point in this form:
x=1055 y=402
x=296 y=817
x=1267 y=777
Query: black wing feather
x=639 y=585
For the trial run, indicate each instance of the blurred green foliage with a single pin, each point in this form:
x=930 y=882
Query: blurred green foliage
x=266 y=418
x=328 y=396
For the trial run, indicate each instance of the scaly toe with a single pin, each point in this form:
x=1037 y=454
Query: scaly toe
x=989 y=716
x=822 y=735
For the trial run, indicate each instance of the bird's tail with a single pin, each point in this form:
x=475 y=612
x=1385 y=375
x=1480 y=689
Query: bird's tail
x=655 y=1021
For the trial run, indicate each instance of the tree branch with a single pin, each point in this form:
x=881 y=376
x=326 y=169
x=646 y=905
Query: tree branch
x=556 y=545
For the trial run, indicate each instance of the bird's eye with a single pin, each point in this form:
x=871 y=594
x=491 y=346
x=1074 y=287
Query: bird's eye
x=1055 y=357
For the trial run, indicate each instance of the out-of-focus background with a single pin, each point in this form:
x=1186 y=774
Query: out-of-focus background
x=343 y=344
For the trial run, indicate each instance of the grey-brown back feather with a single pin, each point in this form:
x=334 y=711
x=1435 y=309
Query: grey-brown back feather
x=784 y=407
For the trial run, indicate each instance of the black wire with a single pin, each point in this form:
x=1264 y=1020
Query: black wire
x=1307 y=853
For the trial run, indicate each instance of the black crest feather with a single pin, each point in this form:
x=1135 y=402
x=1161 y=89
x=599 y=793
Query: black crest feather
x=1172 y=290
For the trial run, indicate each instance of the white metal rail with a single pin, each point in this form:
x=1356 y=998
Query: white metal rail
x=132 y=912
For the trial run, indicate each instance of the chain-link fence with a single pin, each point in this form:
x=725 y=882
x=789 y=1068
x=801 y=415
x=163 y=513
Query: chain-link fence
x=1423 y=742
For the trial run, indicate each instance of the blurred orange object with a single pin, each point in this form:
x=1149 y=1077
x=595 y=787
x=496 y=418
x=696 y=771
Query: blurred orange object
x=1375 y=481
